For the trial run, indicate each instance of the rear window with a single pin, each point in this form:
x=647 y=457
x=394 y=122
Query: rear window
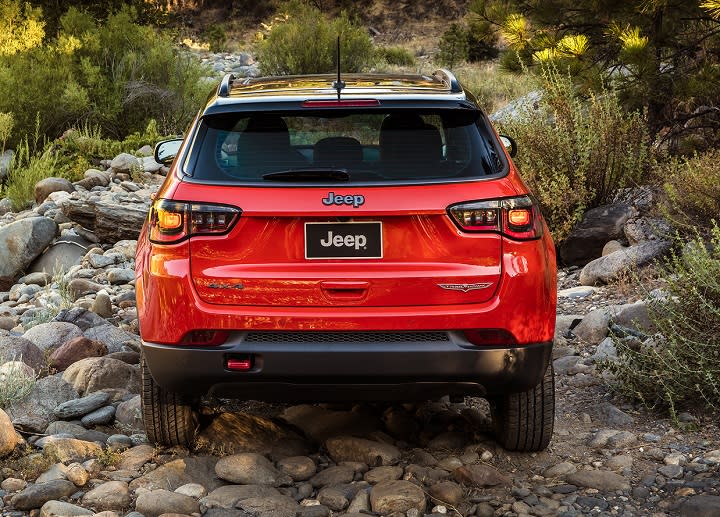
x=368 y=146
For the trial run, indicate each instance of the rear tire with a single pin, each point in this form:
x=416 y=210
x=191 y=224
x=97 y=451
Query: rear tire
x=524 y=421
x=169 y=419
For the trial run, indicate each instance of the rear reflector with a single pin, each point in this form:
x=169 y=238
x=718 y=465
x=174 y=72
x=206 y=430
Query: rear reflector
x=342 y=103
x=490 y=337
x=205 y=338
x=240 y=364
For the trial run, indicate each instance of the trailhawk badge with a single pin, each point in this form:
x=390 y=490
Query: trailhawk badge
x=466 y=287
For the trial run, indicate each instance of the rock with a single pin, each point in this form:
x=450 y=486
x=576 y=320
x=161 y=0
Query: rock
x=273 y=506
x=360 y=503
x=129 y=413
x=13 y=484
x=20 y=243
x=82 y=406
x=701 y=506
x=605 y=351
x=602 y=480
x=47 y=186
x=581 y=291
x=94 y=178
x=77 y=474
x=619 y=462
x=299 y=468
x=333 y=498
x=102 y=305
x=193 y=490
x=633 y=315
x=241 y=432
x=97 y=373
x=560 y=470
x=35 y=411
x=120 y=276
x=63 y=254
x=610 y=267
x=597 y=227
x=480 y=476
x=397 y=496
x=6 y=158
x=15 y=348
x=49 y=336
x=57 y=471
x=9 y=438
x=67 y=450
x=333 y=476
x=380 y=474
x=150 y=165
x=110 y=219
x=75 y=350
x=34 y=496
x=646 y=229
x=611 y=246
x=62 y=509
x=228 y=496
x=111 y=336
x=176 y=473
x=348 y=448
x=594 y=327
x=101 y=416
x=320 y=424
x=158 y=502
x=446 y=492
x=112 y=495
x=38 y=278
x=78 y=287
x=81 y=317
x=565 y=365
x=672 y=471
x=613 y=416
x=250 y=469
x=125 y=163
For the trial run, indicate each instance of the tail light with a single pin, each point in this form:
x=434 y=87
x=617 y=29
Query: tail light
x=174 y=221
x=516 y=217
x=490 y=337
x=205 y=338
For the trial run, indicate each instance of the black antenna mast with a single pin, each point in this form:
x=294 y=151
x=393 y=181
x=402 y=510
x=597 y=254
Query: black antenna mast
x=338 y=84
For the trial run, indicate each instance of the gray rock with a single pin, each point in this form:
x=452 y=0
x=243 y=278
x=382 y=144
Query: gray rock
x=597 y=227
x=619 y=462
x=250 y=469
x=102 y=306
x=62 y=509
x=672 y=471
x=129 y=413
x=601 y=437
x=608 y=268
x=61 y=255
x=14 y=348
x=113 y=337
x=83 y=318
x=273 y=506
x=646 y=229
x=120 y=276
x=98 y=261
x=560 y=470
x=68 y=428
x=299 y=468
x=633 y=315
x=97 y=373
x=348 y=448
x=581 y=291
x=113 y=495
x=150 y=165
x=333 y=476
x=20 y=243
x=397 y=496
x=68 y=450
x=35 y=411
x=622 y=439
x=602 y=480
x=82 y=406
x=49 y=336
x=57 y=471
x=135 y=457
x=605 y=351
x=38 y=278
x=158 y=502
x=125 y=163
x=380 y=474
x=228 y=496
x=9 y=438
x=564 y=365
x=594 y=327
x=34 y=496
x=481 y=476
x=6 y=159
x=611 y=246
x=701 y=506
x=360 y=503
x=613 y=416
x=47 y=186
x=101 y=416
x=194 y=490
x=176 y=473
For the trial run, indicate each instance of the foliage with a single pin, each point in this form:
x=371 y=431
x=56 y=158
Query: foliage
x=494 y=87
x=574 y=152
x=15 y=383
x=117 y=75
x=7 y=121
x=397 y=56
x=217 y=38
x=21 y=27
x=661 y=57
x=692 y=186
x=301 y=40
x=679 y=367
x=454 y=46
x=482 y=40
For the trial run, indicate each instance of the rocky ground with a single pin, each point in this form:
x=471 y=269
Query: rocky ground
x=74 y=443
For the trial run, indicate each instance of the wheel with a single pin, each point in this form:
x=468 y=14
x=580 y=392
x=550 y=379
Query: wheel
x=524 y=421
x=169 y=419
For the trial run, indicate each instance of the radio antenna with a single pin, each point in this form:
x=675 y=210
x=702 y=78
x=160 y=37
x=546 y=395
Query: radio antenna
x=338 y=84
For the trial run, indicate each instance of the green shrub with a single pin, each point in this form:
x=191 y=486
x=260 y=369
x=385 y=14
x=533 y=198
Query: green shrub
x=692 y=186
x=493 y=86
x=575 y=153
x=216 y=36
x=454 y=47
x=397 y=56
x=25 y=171
x=303 y=41
x=15 y=383
x=680 y=366
x=482 y=40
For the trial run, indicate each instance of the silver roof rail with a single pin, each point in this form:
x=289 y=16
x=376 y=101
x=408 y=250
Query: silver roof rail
x=449 y=79
x=225 y=84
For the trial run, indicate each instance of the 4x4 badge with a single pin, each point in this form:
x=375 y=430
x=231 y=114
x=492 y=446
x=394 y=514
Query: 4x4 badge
x=466 y=287
x=351 y=199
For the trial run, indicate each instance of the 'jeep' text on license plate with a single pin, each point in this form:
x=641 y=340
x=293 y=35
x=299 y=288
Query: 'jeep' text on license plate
x=354 y=240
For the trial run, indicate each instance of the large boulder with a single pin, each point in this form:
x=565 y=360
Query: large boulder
x=598 y=226
x=49 y=336
x=75 y=350
x=610 y=267
x=15 y=348
x=20 y=243
x=35 y=411
x=97 y=373
x=125 y=163
x=9 y=438
x=47 y=186
x=63 y=254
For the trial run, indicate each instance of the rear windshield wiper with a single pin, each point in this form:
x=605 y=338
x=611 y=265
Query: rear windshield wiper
x=309 y=174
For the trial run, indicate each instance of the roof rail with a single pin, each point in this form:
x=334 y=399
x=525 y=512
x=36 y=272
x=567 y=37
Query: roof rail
x=225 y=84
x=449 y=79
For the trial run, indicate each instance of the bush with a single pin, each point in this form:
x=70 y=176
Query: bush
x=25 y=171
x=575 y=153
x=493 y=86
x=482 y=40
x=680 y=366
x=16 y=381
x=454 y=46
x=116 y=75
x=303 y=41
x=692 y=186
x=397 y=56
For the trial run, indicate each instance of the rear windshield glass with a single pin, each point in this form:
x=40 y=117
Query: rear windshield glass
x=371 y=146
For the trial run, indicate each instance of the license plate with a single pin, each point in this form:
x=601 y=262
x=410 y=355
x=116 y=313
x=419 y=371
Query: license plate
x=353 y=240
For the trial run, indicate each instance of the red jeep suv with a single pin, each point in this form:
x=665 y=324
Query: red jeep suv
x=367 y=239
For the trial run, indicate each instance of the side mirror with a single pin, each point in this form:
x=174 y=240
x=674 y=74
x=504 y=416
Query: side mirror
x=509 y=144
x=166 y=150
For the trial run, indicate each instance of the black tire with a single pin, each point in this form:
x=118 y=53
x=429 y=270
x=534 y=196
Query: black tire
x=524 y=421
x=169 y=419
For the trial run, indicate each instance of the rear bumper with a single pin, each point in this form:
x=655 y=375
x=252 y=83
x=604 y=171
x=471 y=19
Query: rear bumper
x=322 y=371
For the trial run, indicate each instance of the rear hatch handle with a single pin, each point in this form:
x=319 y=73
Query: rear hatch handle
x=343 y=289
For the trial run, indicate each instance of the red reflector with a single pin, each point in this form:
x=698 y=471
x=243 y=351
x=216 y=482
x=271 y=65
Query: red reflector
x=239 y=364
x=205 y=338
x=490 y=337
x=350 y=103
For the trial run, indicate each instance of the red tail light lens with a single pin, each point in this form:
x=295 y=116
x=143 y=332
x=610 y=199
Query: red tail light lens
x=174 y=221
x=517 y=217
x=490 y=337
